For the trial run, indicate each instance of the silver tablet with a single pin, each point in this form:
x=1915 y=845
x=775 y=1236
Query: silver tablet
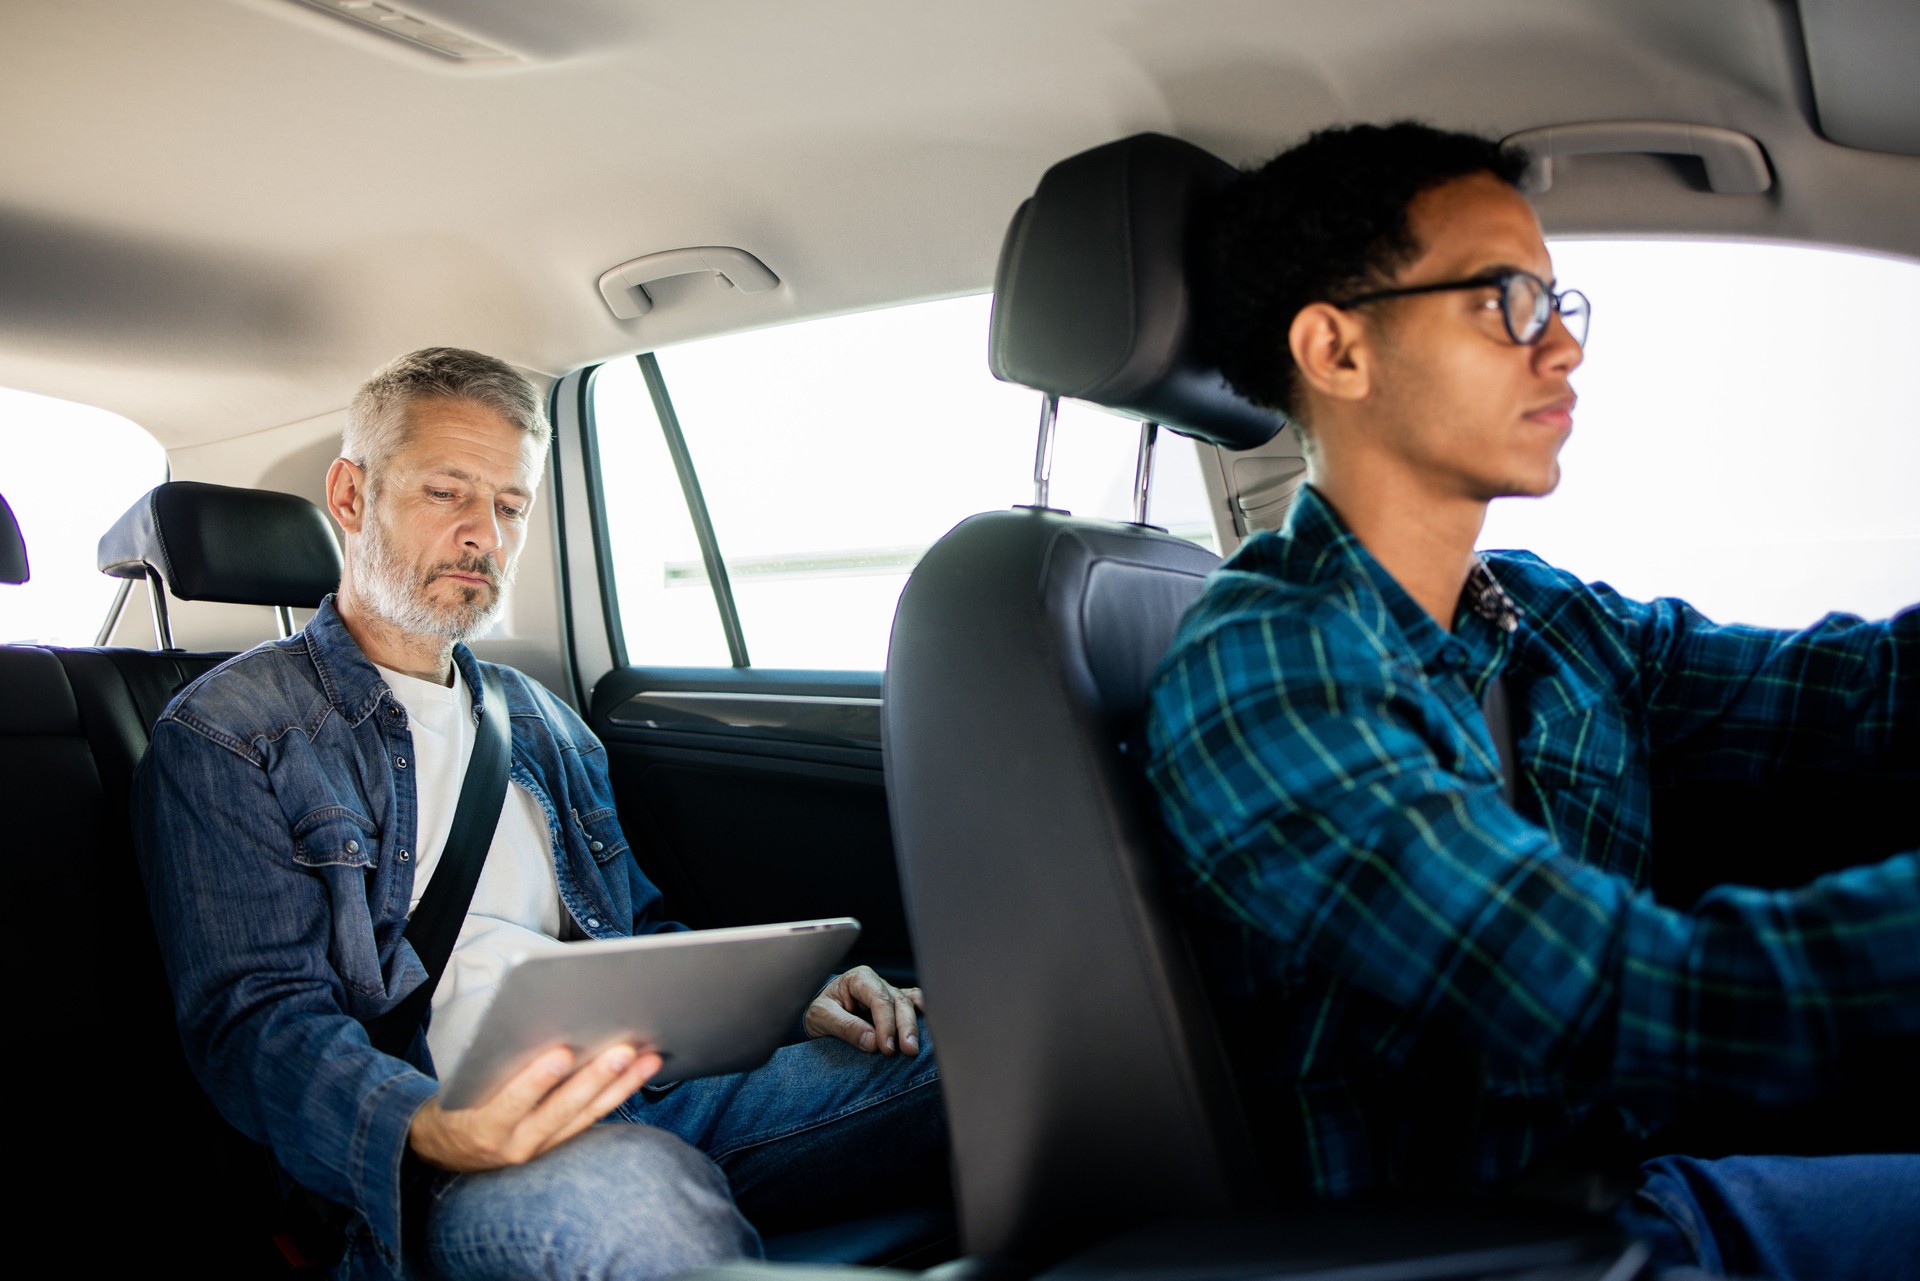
x=709 y=1001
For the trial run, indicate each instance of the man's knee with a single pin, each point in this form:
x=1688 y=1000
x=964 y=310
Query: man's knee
x=885 y=1147
x=620 y=1201
x=1781 y=1216
x=884 y=1073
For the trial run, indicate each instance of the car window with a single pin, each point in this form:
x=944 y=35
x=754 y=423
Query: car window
x=1748 y=431
x=68 y=471
x=667 y=611
x=830 y=455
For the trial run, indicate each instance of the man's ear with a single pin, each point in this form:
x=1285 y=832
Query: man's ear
x=347 y=494
x=1329 y=350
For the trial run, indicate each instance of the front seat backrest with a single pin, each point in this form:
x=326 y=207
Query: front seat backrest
x=1085 y=1084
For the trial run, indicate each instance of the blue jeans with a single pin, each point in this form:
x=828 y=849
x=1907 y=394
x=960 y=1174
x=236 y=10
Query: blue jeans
x=1783 y=1218
x=681 y=1176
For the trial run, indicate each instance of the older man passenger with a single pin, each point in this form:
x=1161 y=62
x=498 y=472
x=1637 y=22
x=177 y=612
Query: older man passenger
x=291 y=814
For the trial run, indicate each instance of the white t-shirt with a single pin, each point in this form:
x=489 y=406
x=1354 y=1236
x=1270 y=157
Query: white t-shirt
x=516 y=904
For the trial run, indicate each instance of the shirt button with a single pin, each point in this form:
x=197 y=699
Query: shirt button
x=405 y=857
x=595 y=846
x=353 y=847
x=593 y=922
x=399 y=762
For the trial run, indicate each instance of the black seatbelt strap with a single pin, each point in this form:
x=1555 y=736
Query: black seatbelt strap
x=436 y=922
x=1500 y=724
x=1460 y=1126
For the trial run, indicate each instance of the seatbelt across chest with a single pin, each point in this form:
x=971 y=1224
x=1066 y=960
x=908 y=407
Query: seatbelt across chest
x=1499 y=715
x=435 y=923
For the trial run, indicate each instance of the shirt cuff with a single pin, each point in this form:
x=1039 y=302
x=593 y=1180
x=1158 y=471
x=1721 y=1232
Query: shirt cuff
x=380 y=1146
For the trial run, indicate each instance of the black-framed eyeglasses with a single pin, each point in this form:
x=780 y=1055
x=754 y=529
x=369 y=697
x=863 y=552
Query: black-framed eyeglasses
x=1527 y=303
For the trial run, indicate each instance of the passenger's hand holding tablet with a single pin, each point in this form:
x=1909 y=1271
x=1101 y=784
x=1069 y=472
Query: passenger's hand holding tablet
x=700 y=1002
x=540 y=1107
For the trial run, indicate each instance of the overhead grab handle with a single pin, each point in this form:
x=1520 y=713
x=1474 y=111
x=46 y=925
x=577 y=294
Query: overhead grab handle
x=624 y=286
x=1735 y=163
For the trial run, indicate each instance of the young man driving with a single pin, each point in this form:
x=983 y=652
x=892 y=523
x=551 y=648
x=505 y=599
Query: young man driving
x=1427 y=985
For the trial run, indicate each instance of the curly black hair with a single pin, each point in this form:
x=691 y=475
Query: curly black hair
x=1326 y=219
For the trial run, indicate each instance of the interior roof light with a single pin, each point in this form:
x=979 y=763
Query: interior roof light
x=388 y=20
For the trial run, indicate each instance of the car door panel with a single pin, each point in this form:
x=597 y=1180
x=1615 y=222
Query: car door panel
x=754 y=796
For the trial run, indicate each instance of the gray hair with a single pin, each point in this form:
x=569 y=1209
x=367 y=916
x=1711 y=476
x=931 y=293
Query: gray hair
x=377 y=417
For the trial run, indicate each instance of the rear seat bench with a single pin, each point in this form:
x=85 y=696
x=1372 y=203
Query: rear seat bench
x=181 y=1179
x=94 y=1035
x=166 y=1173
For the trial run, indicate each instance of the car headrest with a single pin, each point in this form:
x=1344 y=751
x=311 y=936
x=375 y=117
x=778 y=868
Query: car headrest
x=13 y=548
x=1094 y=300
x=219 y=543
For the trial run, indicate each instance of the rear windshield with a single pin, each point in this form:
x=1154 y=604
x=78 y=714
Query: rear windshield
x=68 y=471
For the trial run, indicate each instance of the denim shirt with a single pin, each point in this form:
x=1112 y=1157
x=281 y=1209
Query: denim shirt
x=275 y=819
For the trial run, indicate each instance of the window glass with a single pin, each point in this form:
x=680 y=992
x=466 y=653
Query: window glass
x=667 y=611
x=1746 y=436
x=833 y=453
x=69 y=472
x=1094 y=465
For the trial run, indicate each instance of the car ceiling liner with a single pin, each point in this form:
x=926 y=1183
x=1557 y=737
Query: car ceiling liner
x=1864 y=60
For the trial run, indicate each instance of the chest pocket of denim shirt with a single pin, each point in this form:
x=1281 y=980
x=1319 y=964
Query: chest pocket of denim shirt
x=335 y=836
x=341 y=847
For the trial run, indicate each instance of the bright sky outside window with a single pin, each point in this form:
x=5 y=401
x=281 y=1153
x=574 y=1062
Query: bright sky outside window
x=1746 y=434
x=832 y=454
x=68 y=471
x=1743 y=440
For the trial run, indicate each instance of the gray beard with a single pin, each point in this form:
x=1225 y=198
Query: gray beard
x=395 y=592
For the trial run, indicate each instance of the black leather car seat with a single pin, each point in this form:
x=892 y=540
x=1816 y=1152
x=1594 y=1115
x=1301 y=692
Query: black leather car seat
x=51 y=793
x=204 y=542
x=1085 y=1083
x=210 y=1194
x=73 y=726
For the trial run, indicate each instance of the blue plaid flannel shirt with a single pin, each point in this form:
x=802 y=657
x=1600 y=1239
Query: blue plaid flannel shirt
x=1425 y=986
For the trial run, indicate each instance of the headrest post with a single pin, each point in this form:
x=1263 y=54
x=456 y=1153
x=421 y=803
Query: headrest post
x=157 y=593
x=1143 y=470
x=283 y=615
x=113 y=614
x=1043 y=453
